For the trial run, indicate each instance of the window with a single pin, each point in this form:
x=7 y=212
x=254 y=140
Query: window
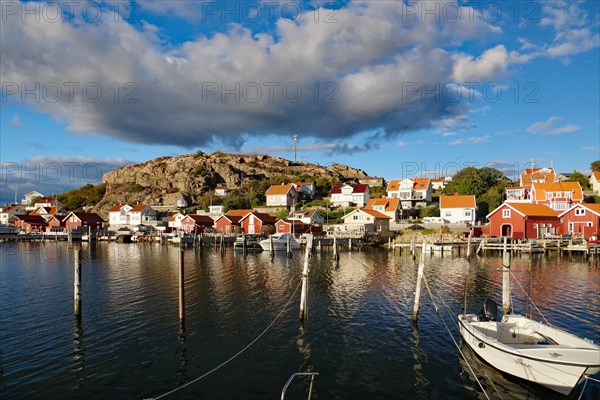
x=579 y=211
x=590 y=224
x=467 y=213
x=448 y=213
x=571 y=226
x=506 y=213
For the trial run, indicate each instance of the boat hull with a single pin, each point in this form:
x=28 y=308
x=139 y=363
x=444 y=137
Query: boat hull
x=279 y=244
x=547 y=365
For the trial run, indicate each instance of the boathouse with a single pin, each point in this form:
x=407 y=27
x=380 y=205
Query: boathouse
x=194 y=223
x=581 y=220
x=257 y=223
x=523 y=221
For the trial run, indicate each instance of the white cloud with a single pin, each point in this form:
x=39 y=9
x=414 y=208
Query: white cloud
x=490 y=64
x=549 y=127
x=456 y=142
x=479 y=139
x=15 y=121
x=359 y=63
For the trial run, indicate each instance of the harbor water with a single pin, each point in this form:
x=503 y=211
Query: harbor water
x=359 y=336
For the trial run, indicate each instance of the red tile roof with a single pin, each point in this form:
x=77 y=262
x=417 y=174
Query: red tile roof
x=542 y=188
x=264 y=217
x=278 y=190
x=376 y=214
x=139 y=208
x=238 y=213
x=116 y=207
x=464 y=201
x=390 y=203
x=533 y=210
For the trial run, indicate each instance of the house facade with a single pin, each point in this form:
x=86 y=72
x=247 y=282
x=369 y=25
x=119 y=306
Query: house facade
x=559 y=196
x=371 y=181
x=194 y=223
x=413 y=193
x=30 y=196
x=131 y=215
x=537 y=175
x=46 y=202
x=595 y=182
x=581 y=220
x=221 y=190
x=305 y=190
x=523 y=221
x=308 y=217
x=387 y=206
x=228 y=224
x=83 y=221
x=8 y=211
x=296 y=227
x=362 y=221
x=347 y=195
x=174 y=221
x=256 y=223
x=458 y=209
x=281 y=195
x=29 y=223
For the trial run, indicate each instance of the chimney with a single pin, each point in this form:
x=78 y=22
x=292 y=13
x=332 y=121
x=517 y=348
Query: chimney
x=456 y=193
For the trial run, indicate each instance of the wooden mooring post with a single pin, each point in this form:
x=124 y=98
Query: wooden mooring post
x=336 y=256
x=469 y=246
x=181 y=287
x=288 y=244
x=419 y=279
x=412 y=248
x=77 y=283
x=505 y=279
x=272 y=249
x=304 y=293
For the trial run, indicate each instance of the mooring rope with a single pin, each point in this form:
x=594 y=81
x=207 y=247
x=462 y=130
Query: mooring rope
x=235 y=355
x=530 y=299
x=449 y=311
x=587 y=378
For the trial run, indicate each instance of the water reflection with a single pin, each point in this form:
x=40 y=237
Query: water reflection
x=78 y=353
x=420 y=358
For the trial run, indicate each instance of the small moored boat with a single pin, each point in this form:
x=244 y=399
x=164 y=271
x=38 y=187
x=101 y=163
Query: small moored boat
x=280 y=241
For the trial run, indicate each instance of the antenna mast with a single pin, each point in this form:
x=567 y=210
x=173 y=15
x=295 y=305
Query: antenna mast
x=295 y=148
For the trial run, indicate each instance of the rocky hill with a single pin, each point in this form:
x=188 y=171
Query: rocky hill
x=168 y=181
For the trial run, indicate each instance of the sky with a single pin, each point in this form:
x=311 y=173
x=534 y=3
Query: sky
x=397 y=88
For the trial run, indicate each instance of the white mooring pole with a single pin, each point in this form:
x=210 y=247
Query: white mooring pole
x=419 y=279
x=506 y=279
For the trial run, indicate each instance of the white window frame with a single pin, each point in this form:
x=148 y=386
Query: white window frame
x=580 y=211
x=506 y=213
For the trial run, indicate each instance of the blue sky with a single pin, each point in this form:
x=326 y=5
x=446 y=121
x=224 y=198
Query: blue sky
x=395 y=88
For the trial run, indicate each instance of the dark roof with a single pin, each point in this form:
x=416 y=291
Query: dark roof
x=86 y=217
x=358 y=188
x=201 y=219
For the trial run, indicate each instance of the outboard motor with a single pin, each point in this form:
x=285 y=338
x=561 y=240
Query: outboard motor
x=489 y=311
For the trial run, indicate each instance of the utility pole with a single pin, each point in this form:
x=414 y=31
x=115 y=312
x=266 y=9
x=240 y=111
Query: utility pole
x=295 y=148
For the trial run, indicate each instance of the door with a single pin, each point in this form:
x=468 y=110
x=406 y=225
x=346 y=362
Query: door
x=506 y=230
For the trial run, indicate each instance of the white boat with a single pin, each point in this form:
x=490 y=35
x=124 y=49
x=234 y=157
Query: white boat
x=280 y=242
x=530 y=350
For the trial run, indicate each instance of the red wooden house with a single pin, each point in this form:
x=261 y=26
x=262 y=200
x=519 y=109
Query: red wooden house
x=194 y=223
x=581 y=219
x=56 y=223
x=84 y=221
x=296 y=226
x=29 y=223
x=523 y=221
x=230 y=222
x=257 y=223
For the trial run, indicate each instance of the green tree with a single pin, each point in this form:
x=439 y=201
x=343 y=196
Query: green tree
x=430 y=211
x=595 y=165
x=235 y=201
x=579 y=177
x=377 y=191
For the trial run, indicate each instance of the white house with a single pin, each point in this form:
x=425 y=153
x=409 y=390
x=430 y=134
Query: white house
x=29 y=196
x=8 y=211
x=458 y=209
x=215 y=210
x=131 y=215
x=595 y=182
x=347 y=195
x=305 y=189
x=45 y=202
x=175 y=220
x=361 y=221
x=221 y=190
x=308 y=217
x=281 y=195
x=412 y=193
x=387 y=206
x=48 y=212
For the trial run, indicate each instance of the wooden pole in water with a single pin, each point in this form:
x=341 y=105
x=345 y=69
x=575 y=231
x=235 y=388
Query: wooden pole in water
x=181 y=287
x=505 y=279
x=419 y=279
x=77 y=283
x=349 y=244
x=244 y=243
x=222 y=243
x=469 y=246
x=304 y=294
x=272 y=249
x=412 y=248
x=288 y=244
x=89 y=234
x=336 y=257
